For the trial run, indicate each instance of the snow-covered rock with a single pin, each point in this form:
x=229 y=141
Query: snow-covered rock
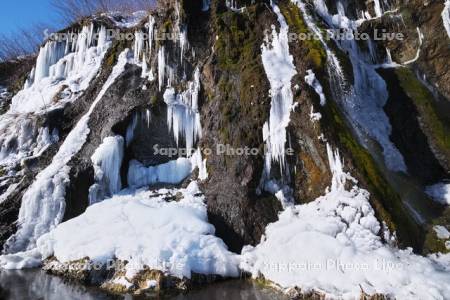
x=332 y=246
x=145 y=229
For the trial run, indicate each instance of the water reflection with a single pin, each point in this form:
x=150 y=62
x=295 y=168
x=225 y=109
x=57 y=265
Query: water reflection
x=37 y=285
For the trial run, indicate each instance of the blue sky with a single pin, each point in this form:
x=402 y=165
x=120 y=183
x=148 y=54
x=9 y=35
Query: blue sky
x=15 y=14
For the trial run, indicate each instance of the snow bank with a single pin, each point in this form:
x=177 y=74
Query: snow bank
x=332 y=246
x=440 y=192
x=279 y=68
x=144 y=229
x=107 y=160
x=43 y=204
x=446 y=17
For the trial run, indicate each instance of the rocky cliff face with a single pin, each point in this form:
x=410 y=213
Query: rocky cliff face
x=212 y=74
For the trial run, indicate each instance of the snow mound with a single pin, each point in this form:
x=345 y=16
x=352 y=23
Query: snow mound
x=332 y=246
x=439 y=192
x=145 y=229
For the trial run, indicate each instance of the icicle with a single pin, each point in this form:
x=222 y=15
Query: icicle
x=102 y=39
x=388 y=56
x=151 y=26
x=183 y=41
x=48 y=56
x=183 y=117
x=279 y=68
x=138 y=45
x=339 y=176
x=377 y=8
x=130 y=129
x=144 y=66
x=161 y=67
x=107 y=160
x=148 y=117
x=151 y=75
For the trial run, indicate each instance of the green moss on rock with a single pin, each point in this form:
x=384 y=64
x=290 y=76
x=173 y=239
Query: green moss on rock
x=437 y=130
x=316 y=54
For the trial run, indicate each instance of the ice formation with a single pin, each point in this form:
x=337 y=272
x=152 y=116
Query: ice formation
x=43 y=204
x=183 y=116
x=129 y=135
x=22 y=138
x=161 y=67
x=107 y=160
x=183 y=41
x=62 y=67
x=279 y=68
x=151 y=33
x=172 y=172
x=364 y=101
x=145 y=229
x=446 y=17
x=206 y=4
x=312 y=81
x=332 y=246
x=139 y=44
x=439 y=192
